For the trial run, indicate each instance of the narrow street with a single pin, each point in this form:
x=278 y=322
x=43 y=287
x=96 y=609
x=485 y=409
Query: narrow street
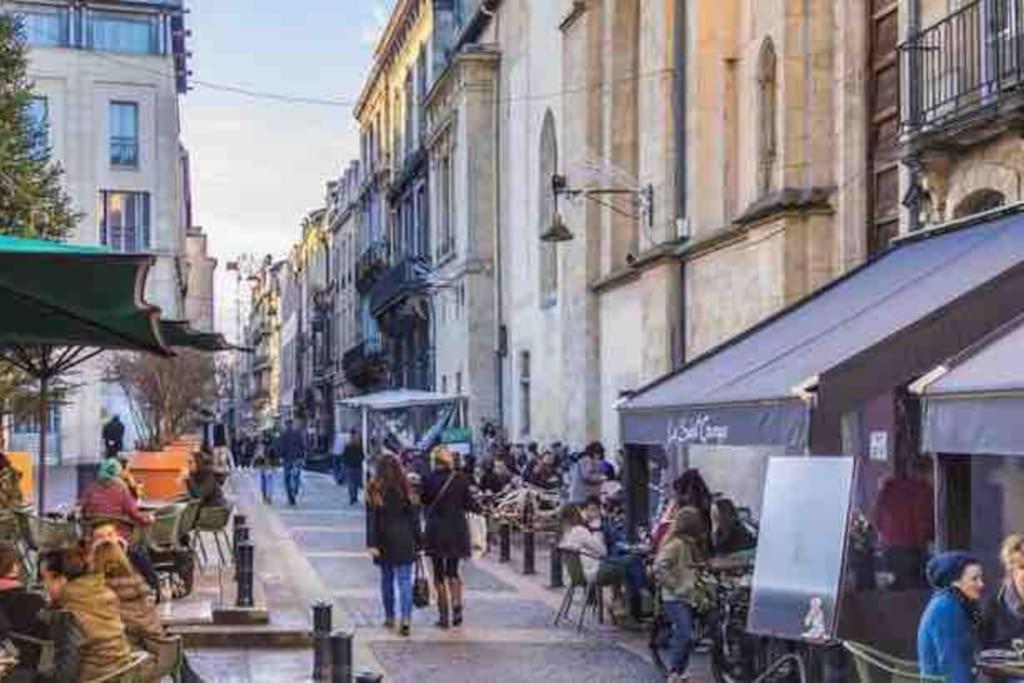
x=508 y=635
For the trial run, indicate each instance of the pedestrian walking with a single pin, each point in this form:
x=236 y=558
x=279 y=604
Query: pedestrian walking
x=266 y=461
x=447 y=497
x=291 y=448
x=353 y=457
x=338 y=445
x=113 y=437
x=947 y=636
x=393 y=537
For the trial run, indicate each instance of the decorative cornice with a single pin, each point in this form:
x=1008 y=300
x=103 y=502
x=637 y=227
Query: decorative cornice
x=787 y=200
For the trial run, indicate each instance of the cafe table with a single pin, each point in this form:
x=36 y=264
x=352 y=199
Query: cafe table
x=1001 y=665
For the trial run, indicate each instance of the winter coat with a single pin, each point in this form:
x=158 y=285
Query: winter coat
x=393 y=528
x=946 y=641
x=97 y=616
x=1003 y=619
x=22 y=609
x=137 y=609
x=445 y=513
x=675 y=567
x=204 y=487
x=352 y=456
x=291 y=445
x=110 y=499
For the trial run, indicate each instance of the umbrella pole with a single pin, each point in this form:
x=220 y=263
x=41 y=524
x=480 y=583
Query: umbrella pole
x=44 y=382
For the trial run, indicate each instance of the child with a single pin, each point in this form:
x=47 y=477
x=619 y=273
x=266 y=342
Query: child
x=676 y=569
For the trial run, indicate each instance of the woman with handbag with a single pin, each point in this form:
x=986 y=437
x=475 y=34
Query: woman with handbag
x=447 y=497
x=393 y=537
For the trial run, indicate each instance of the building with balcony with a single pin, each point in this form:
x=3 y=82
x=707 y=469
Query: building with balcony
x=263 y=336
x=962 y=106
x=107 y=78
x=395 y=233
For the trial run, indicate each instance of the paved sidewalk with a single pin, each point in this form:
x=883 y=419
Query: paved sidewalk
x=317 y=550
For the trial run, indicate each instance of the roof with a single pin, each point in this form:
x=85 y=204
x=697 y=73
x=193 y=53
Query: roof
x=906 y=283
x=392 y=399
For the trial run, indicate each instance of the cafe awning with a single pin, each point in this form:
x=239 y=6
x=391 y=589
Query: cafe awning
x=180 y=334
x=974 y=402
x=395 y=399
x=751 y=390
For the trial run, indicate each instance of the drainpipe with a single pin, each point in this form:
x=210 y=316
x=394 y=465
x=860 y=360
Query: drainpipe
x=913 y=161
x=680 y=65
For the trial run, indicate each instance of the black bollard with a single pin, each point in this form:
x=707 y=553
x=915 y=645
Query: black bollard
x=504 y=542
x=321 y=640
x=556 y=564
x=341 y=657
x=529 y=553
x=239 y=520
x=240 y=534
x=366 y=676
x=244 y=574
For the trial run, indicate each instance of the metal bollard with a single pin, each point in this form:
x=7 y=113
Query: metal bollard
x=341 y=657
x=244 y=574
x=556 y=564
x=529 y=552
x=240 y=534
x=367 y=676
x=239 y=520
x=504 y=542
x=321 y=640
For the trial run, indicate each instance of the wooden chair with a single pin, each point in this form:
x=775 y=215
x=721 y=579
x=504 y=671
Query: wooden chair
x=875 y=666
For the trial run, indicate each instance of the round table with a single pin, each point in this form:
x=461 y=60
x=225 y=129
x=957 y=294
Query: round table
x=1002 y=669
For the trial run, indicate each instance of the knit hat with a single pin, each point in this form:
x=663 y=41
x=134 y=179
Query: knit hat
x=945 y=568
x=109 y=469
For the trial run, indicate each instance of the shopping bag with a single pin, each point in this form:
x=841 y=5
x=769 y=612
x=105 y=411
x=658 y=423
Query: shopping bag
x=477 y=533
x=420 y=585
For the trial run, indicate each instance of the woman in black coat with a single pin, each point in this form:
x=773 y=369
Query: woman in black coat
x=447 y=498
x=393 y=537
x=1003 y=619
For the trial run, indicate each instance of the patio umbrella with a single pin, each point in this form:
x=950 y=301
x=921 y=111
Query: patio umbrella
x=62 y=304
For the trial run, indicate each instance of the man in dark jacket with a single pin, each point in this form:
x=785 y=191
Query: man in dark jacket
x=353 y=457
x=113 y=437
x=291 y=448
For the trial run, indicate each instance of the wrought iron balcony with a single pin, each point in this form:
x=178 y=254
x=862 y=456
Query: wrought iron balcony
x=366 y=364
x=124 y=151
x=409 y=276
x=965 y=72
x=371 y=264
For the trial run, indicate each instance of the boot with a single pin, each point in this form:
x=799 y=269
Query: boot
x=442 y=604
x=456 y=591
x=403 y=628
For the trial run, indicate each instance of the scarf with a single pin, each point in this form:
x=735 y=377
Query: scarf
x=970 y=607
x=1010 y=598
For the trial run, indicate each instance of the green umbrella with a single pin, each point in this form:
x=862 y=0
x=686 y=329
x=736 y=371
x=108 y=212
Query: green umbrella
x=62 y=304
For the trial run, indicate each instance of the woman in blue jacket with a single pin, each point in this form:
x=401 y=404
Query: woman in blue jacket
x=947 y=634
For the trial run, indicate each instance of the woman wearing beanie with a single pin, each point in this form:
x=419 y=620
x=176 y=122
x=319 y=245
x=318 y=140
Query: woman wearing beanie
x=947 y=636
x=447 y=497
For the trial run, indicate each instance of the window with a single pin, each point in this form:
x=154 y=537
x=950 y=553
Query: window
x=45 y=26
x=123 y=32
x=124 y=134
x=458 y=383
x=546 y=211
x=767 y=146
x=410 y=115
x=421 y=94
x=423 y=222
x=124 y=220
x=29 y=424
x=445 y=234
x=524 y=393
x=979 y=201
x=38 y=115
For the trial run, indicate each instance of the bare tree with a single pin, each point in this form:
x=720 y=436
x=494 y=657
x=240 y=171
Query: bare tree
x=164 y=394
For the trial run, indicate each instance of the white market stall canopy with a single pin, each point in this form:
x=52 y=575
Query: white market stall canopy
x=395 y=399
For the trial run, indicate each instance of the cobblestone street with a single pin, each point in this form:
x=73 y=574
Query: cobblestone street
x=508 y=635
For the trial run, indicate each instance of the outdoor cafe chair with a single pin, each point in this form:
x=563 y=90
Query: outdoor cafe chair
x=162 y=541
x=135 y=671
x=40 y=535
x=213 y=521
x=593 y=598
x=168 y=657
x=875 y=666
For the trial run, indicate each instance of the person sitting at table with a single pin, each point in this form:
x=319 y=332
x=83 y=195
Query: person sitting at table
x=728 y=534
x=947 y=635
x=10 y=485
x=496 y=477
x=1003 y=619
x=138 y=612
x=72 y=586
x=22 y=609
x=582 y=534
x=203 y=482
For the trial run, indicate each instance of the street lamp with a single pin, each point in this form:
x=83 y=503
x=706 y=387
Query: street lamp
x=559 y=231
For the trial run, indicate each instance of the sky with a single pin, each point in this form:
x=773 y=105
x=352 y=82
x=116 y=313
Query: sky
x=258 y=166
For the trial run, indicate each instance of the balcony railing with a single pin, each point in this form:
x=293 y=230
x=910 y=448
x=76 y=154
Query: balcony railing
x=124 y=151
x=370 y=264
x=409 y=276
x=365 y=364
x=965 y=63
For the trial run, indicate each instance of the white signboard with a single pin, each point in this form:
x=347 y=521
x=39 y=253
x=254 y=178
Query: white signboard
x=878 y=446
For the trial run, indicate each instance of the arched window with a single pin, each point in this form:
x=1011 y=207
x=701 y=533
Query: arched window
x=767 y=101
x=546 y=204
x=978 y=201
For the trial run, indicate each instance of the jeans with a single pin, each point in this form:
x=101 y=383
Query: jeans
x=292 y=479
x=681 y=644
x=338 y=468
x=389 y=574
x=139 y=557
x=354 y=479
x=267 y=484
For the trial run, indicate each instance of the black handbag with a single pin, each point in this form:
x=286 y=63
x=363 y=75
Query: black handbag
x=420 y=585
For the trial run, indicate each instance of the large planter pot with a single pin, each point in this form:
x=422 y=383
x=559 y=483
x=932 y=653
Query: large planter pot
x=24 y=463
x=162 y=474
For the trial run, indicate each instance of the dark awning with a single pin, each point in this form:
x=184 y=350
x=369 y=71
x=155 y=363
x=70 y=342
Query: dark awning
x=179 y=333
x=974 y=403
x=758 y=376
